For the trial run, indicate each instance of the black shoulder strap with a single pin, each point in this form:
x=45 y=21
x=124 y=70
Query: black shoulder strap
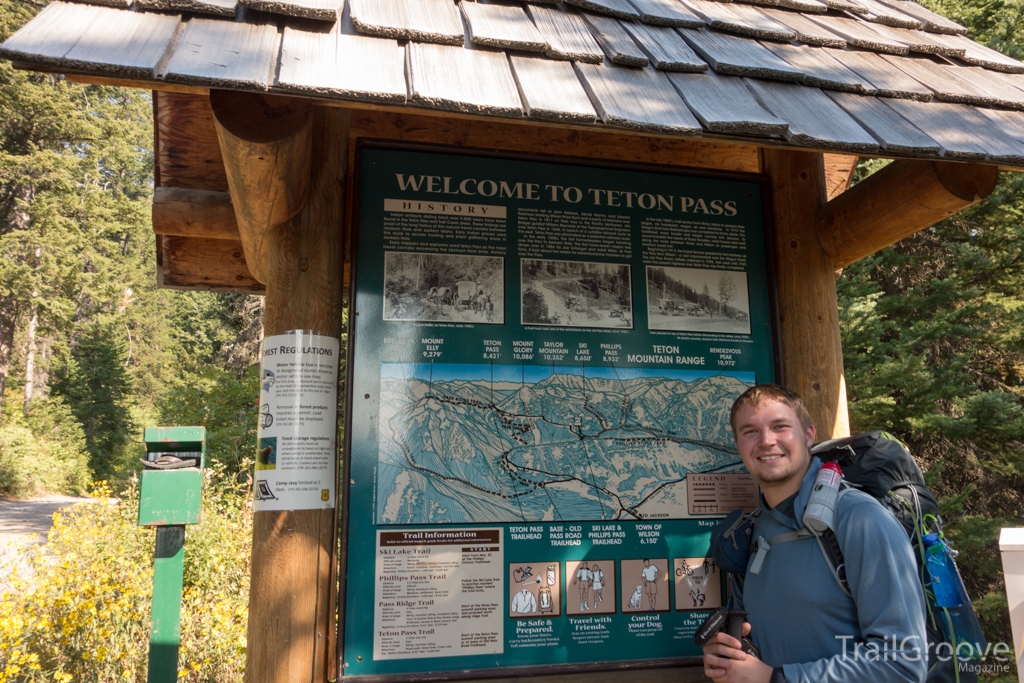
x=834 y=555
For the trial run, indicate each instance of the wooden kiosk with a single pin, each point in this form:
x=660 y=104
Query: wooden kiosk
x=265 y=110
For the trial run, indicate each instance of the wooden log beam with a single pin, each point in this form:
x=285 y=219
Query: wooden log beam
x=839 y=169
x=810 y=347
x=266 y=144
x=203 y=264
x=194 y=213
x=903 y=198
x=291 y=598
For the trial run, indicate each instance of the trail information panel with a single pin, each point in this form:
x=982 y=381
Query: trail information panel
x=544 y=358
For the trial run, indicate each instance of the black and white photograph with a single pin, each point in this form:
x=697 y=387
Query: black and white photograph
x=697 y=300
x=444 y=288
x=576 y=294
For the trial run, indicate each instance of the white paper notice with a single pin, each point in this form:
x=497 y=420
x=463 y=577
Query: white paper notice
x=295 y=463
x=438 y=593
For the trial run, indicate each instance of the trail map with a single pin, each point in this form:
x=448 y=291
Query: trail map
x=509 y=443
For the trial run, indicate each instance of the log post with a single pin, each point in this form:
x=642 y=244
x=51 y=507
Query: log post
x=268 y=140
x=811 y=350
x=291 y=599
x=905 y=197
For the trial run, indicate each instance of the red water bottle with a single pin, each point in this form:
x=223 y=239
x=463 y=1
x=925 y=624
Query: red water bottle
x=820 y=512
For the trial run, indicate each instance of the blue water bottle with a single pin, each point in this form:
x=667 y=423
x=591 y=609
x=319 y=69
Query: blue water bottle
x=959 y=621
x=947 y=585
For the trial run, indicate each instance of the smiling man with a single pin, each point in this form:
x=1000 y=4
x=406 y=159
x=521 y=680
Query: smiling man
x=807 y=628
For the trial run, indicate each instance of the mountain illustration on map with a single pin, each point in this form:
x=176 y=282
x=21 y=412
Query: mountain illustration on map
x=503 y=443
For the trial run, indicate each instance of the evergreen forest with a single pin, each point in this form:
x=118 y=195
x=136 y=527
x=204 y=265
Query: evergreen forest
x=91 y=351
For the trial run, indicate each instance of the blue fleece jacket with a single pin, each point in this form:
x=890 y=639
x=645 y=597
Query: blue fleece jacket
x=803 y=621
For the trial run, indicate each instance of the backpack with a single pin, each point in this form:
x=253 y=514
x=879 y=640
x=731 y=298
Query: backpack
x=878 y=464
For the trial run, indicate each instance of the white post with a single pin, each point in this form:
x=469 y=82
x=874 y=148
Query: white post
x=1011 y=547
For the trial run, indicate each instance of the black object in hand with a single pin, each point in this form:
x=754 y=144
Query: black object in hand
x=712 y=625
x=735 y=623
x=732 y=621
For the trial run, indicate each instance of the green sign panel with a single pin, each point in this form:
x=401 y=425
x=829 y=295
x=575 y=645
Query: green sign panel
x=544 y=359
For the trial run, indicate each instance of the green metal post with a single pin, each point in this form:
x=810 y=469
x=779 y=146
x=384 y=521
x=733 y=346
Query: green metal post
x=170 y=496
x=165 y=636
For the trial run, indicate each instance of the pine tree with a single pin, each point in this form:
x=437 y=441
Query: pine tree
x=94 y=381
x=726 y=290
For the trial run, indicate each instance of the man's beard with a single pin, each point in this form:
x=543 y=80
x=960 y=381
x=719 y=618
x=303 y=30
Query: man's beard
x=778 y=477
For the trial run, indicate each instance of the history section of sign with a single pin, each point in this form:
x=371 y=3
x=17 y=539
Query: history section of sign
x=696 y=279
x=720 y=493
x=439 y=593
x=443 y=261
x=296 y=458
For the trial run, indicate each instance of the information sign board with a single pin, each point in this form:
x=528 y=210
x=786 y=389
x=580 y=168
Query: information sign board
x=543 y=359
x=296 y=458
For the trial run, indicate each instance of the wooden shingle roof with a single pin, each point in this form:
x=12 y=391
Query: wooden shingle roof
x=884 y=77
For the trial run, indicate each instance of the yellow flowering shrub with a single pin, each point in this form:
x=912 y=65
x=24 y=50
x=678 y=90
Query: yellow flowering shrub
x=80 y=611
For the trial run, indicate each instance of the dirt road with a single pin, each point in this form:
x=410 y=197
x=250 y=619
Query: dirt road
x=19 y=519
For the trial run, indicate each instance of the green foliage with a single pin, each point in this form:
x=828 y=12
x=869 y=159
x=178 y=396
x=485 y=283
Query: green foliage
x=223 y=402
x=215 y=338
x=24 y=466
x=43 y=452
x=81 y=612
x=933 y=338
x=75 y=182
x=76 y=172
x=76 y=249
x=94 y=381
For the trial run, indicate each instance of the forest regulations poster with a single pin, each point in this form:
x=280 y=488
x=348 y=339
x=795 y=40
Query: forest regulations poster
x=544 y=357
